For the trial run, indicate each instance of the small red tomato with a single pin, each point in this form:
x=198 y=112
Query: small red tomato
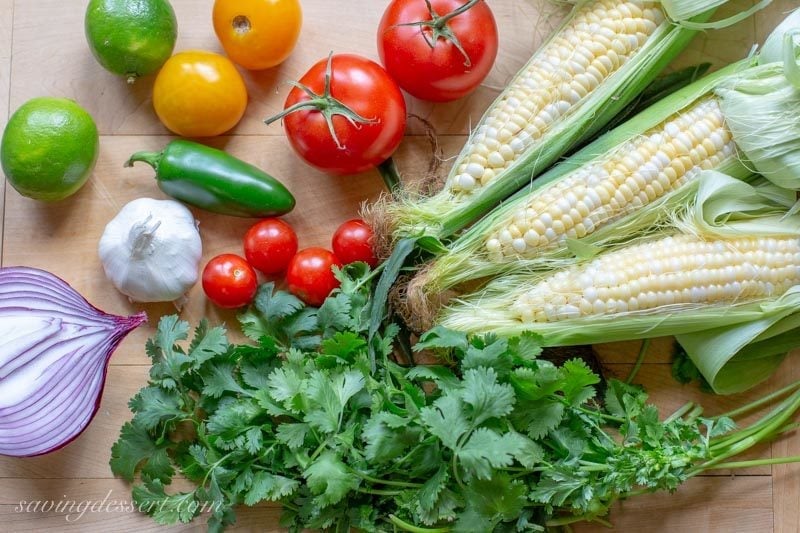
x=310 y=275
x=438 y=51
x=353 y=242
x=269 y=245
x=348 y=117
x=229 y=281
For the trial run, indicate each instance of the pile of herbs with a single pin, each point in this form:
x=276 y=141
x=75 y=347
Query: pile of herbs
x=317 y=416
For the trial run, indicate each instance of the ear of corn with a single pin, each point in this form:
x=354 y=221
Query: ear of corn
x=592 y=67
x=724 y=276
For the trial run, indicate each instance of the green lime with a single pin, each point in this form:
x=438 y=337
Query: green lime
x=131 y=37
x=49 y=148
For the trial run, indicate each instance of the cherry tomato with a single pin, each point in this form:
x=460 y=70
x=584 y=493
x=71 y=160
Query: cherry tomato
x=310 y=277
x=229 y=281
x=257 y=34
x=352 y=242
x=269 y=245
x=443 y=72
x=359 y=90
x=199 y=94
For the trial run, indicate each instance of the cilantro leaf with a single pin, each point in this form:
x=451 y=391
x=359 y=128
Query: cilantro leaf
x=442 y=338
x=494 y=356
x=486 y=397
x=219 y=380
x=271 y=487
x=499 y=498
x=135 y=447
x=578 y=381
x=334 y=314
x=344 y=344
x=169 y=360
x=487 y=450
x=329 y=394
x=286 y=387
x=207 y=343
x=387 y=436
x=540 y=418
x=329 y=479
x=446 y=420
x=166 y=509
x=153 y=405
x=293 y=435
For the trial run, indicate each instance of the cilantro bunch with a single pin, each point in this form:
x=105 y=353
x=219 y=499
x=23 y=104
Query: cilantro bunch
x=317 y=416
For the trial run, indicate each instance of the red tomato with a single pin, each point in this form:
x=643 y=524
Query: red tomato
x=269 y=245
x=229 y=281
x=443 y=72
x=352 y=242
x=310 y=276
x=359 y=89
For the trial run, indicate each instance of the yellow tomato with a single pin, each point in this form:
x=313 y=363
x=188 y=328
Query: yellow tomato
x=199 y=94
x=257 y=34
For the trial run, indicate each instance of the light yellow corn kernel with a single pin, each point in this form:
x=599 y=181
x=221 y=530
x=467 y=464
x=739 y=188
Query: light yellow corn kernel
x=638 y=173
x=601 y=37
x=683 y=270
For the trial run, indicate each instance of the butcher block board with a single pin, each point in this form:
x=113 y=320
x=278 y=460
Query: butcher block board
x=43 y=52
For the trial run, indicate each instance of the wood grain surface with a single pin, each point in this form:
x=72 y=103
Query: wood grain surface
x=43 y=52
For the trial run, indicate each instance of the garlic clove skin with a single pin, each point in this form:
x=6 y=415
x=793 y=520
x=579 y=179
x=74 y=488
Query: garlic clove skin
x=151 y=250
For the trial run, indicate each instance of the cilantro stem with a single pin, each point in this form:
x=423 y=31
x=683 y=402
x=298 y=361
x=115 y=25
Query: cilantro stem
x=378 y=481
x=214 y=467
x=588 y=466
x=755 y=462
x=761 y=401
x=378 y=492
x=319 y=450
x=727 y=440
x=694 y=413
x=775 y=421
x=680 y=412
x=454 y=468
x=405 y=526
x=639 y=361
x=600 y=414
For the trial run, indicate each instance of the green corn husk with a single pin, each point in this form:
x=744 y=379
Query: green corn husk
x=770 y=140
x=714 y=335
x=448 y=211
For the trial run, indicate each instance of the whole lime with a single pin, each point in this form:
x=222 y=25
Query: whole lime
x=131 y=38
x=49 y=148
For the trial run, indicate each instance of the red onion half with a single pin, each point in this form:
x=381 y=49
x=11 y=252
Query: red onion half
x=54 y=352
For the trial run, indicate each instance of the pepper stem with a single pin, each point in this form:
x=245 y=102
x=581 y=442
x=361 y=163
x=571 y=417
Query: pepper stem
x=326 y=104
x=151 y=158
x=440 y=30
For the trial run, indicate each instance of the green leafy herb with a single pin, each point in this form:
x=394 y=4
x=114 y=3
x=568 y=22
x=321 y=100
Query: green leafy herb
x=316 y=415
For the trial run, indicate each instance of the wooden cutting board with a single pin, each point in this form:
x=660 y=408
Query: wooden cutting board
x=43 y=52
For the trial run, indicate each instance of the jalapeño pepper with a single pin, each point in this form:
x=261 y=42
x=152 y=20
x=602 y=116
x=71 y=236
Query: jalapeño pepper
x=216 y=181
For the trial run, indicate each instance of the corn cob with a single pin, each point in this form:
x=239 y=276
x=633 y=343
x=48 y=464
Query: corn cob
x=638 y=173
x=601 y=37
x=676 y=272
x=605 y=53
x=669 y=286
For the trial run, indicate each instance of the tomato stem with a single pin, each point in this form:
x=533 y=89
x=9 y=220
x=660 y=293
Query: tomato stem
x=441 y=21
x=326 y=104
x=439 y=28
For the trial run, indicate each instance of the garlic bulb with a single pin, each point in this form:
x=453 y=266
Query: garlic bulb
x=151 y=250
